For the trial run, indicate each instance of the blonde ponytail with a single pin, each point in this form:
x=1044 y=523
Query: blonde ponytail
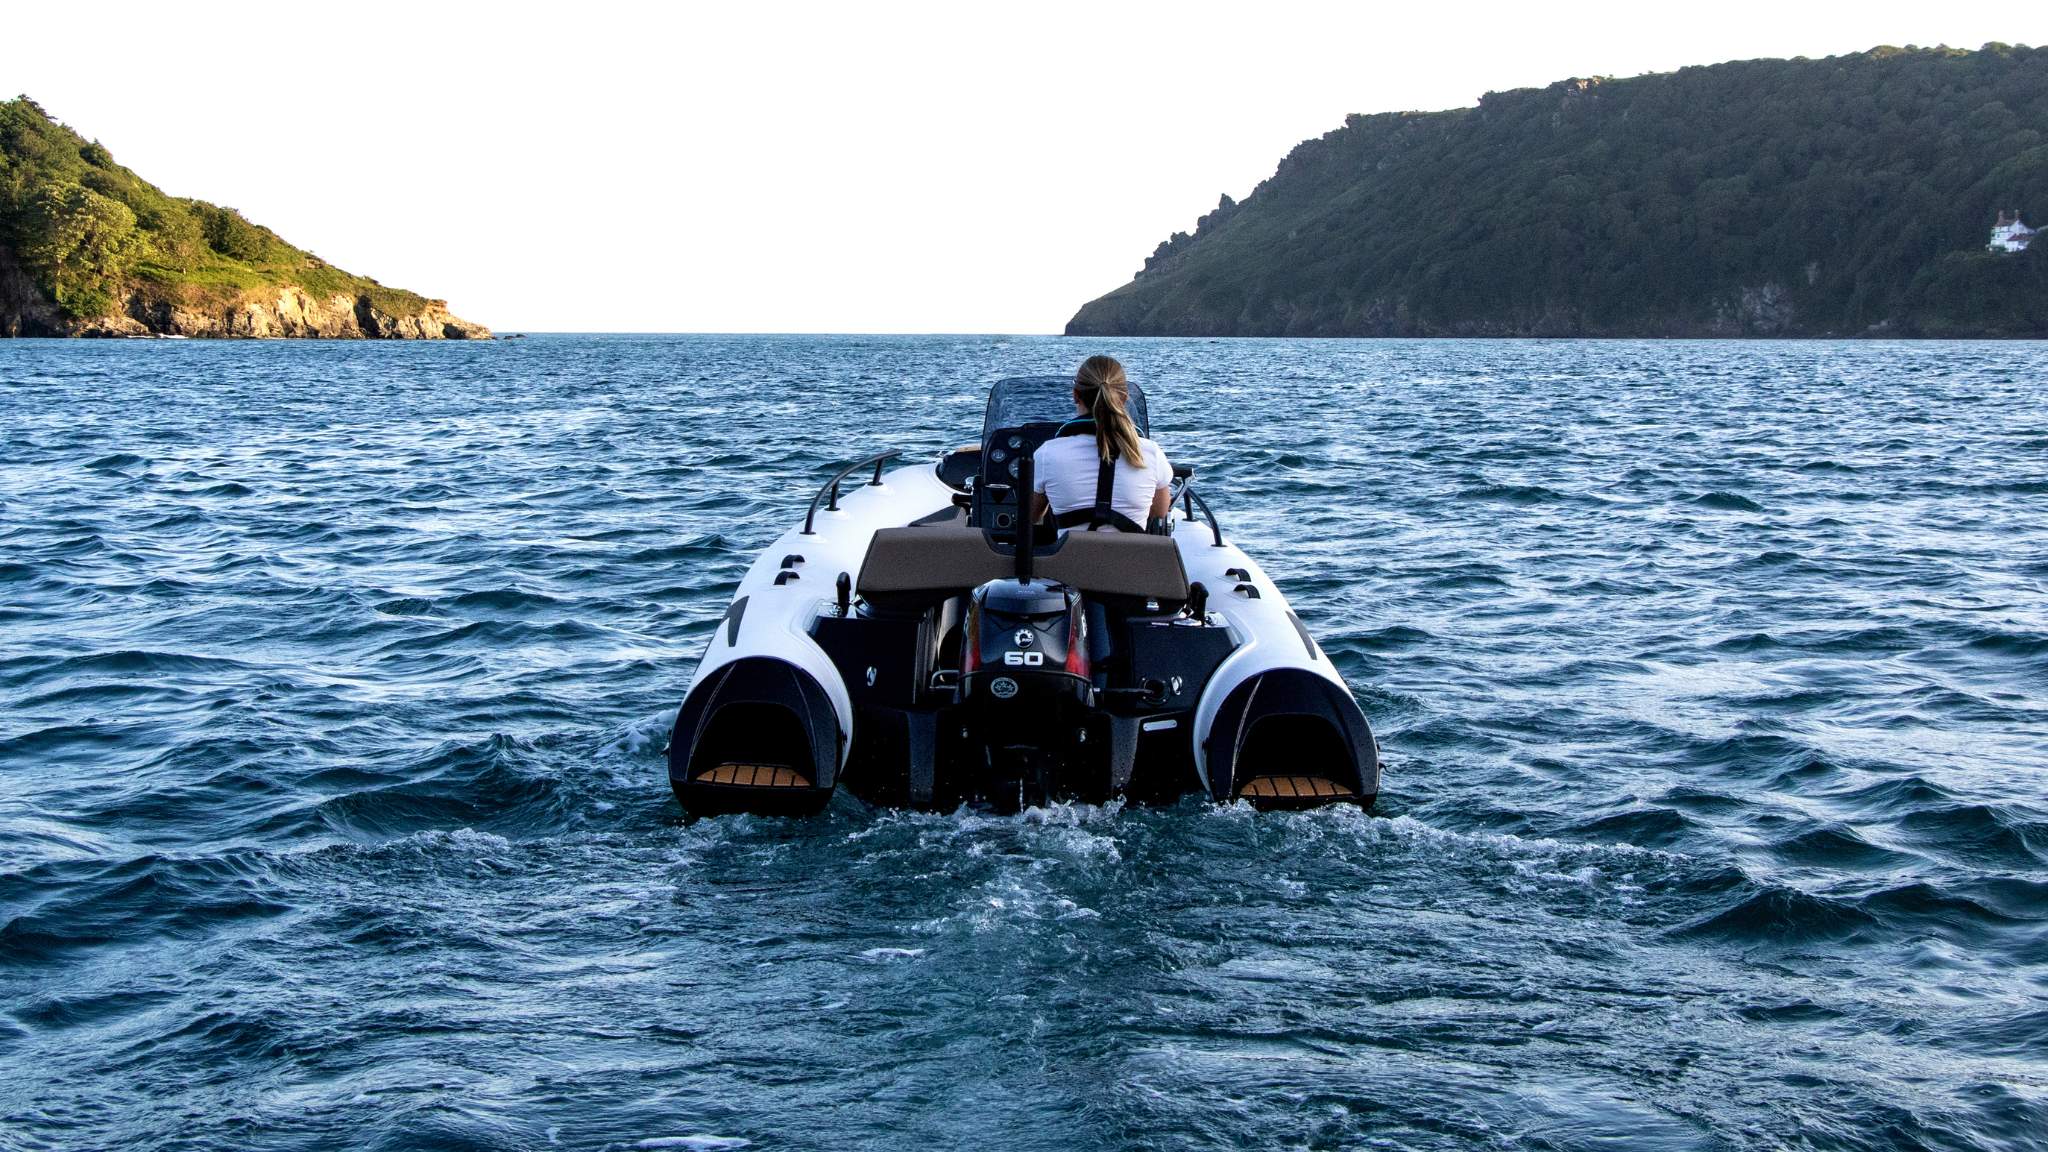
x=1101 y=387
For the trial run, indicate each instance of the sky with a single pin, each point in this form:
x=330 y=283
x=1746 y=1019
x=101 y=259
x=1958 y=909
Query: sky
x=779 y=167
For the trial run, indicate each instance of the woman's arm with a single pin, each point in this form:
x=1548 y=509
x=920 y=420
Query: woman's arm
x=1162 y=475
x=1039 y=506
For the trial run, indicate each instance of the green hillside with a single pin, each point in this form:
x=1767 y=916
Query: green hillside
x=1846 y=196
x=103 y=247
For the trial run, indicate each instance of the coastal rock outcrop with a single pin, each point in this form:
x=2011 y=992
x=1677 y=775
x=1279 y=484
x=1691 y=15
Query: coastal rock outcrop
x=284 y=313
x=294 y=312
x=24 y=311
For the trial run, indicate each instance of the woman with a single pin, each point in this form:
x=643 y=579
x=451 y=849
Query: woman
x=1070 y=468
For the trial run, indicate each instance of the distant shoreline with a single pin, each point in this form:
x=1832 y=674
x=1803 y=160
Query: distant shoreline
x=1051 y=336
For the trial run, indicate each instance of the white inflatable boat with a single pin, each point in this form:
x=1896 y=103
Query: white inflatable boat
x=905 y=644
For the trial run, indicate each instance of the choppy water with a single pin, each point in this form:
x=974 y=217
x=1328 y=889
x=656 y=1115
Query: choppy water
x=1712 y=681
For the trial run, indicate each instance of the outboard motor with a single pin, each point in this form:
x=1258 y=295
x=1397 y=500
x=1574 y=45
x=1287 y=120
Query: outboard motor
x=1024 y=678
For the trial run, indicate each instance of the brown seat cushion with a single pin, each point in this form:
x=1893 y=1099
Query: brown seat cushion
x=951 y=558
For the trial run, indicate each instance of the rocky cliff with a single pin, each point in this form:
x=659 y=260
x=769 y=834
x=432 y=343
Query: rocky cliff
x=87 y=248
x=270 y=313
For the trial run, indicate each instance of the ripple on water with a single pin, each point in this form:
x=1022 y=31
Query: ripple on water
x=1726 y=502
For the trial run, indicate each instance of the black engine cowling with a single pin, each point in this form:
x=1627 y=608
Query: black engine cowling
x=1025 y=683
x=1025 y=646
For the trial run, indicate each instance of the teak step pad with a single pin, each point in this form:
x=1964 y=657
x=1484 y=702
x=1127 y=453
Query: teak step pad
x=755 y=776
x=1293 y=787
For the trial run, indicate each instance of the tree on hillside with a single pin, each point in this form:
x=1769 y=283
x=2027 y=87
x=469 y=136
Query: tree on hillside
x=229 y=233
x=79 y=244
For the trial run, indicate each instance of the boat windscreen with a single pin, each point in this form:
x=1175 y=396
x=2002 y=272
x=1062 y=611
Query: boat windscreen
x=1022 y=400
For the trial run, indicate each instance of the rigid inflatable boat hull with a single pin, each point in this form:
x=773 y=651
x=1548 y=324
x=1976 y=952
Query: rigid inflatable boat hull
x=1260 y=715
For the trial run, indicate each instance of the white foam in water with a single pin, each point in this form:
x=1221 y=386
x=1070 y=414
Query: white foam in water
x=1068 y=910
x=642 y=734
x=879 y=954
x=464 y=839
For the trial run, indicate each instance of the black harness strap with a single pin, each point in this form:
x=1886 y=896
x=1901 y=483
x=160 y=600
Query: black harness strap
x=1102 y=515
x=1105 y=489
x=1085 y=517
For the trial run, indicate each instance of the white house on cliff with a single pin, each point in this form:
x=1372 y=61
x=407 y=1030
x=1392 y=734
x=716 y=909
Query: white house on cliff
x=2009 y=235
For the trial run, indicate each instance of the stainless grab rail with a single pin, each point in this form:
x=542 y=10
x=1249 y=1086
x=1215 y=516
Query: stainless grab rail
x=1190 y=498
x=831 y=487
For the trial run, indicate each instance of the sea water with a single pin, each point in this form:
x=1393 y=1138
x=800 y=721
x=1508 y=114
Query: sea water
x=1711 y=678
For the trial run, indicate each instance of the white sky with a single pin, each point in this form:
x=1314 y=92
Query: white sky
x=812 y=167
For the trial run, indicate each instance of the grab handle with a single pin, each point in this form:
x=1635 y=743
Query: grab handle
x=1190 y=498
x=830 y=492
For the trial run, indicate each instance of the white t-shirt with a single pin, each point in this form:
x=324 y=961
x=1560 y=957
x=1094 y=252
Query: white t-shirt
x=1066 y=467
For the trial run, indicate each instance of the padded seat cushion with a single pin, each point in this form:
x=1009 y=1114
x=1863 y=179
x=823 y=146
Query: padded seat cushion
x=951 y=558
